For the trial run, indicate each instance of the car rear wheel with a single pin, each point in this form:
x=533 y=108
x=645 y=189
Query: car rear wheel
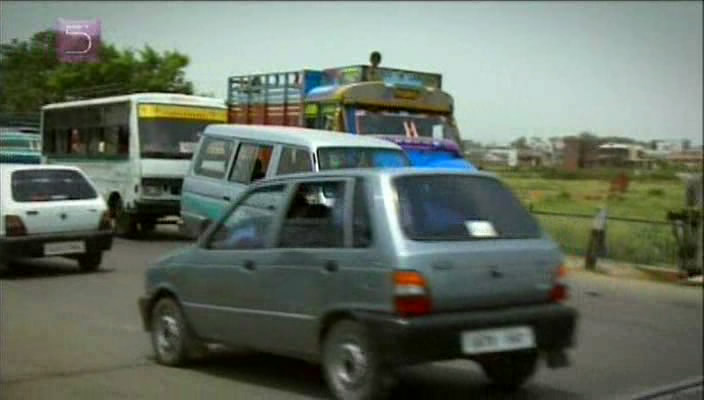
x=352 y=365
x=147 y=226
x=172 y=340
x=510 y=370
x=90 y=262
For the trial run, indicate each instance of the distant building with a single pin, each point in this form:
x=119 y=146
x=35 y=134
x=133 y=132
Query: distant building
x=623 y=155
x=692 y=159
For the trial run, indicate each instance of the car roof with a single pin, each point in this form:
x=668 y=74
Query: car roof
x=313 y=138
x=10 y=168
x=378 y=173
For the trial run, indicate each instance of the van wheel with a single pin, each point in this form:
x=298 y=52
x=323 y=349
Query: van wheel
x=90 y=262
x=510 y=370
x=352 y=364
x=147 y=226
x=172 y=340
x=125 y=223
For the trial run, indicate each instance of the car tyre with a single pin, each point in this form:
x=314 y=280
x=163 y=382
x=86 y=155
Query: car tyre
x=173 y=342
x=90 y=262
x=352 y=364
x=510 y=370
x=147 y=226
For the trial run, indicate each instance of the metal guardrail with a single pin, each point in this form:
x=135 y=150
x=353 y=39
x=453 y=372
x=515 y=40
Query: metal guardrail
x=631 y=240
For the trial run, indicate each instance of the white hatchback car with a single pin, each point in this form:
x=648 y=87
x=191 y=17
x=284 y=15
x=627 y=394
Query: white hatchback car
x=50 y=211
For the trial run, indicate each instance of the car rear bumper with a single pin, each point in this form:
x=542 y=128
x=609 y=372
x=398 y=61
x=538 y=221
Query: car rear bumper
x=407 y=341
x=157 y=208
x=33 y=245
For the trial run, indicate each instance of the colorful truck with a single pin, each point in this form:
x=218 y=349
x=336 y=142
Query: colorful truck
x=408 y=107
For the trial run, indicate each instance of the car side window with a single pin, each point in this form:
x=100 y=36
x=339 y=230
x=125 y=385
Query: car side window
x=361 y=222
x=315 y=216
x=294 y=160
x=213 y=157
x=251 y=163
x=249 y=224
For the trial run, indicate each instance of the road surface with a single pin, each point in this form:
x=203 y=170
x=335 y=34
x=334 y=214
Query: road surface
x=74 y=336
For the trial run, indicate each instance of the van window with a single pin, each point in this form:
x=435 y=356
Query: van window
x=294 y=160
x=213 y=157
x=360 y=157
x=251 y=163
x=309 y=222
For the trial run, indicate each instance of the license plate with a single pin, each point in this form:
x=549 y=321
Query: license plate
x=497 y=340
x=53 y=249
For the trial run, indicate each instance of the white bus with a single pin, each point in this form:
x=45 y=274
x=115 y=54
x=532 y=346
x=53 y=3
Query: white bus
x=136 y=148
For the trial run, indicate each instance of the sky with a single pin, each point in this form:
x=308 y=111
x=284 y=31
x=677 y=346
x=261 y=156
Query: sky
x=514 y=68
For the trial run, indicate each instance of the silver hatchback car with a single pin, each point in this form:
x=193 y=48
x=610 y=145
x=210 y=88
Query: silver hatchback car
x=405 y=266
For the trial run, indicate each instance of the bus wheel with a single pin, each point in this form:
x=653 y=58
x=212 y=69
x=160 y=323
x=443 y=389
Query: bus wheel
x=125 y=223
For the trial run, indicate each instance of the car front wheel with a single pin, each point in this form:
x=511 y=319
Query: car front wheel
x=352 y=365
x=90 y=262
x=173 y=342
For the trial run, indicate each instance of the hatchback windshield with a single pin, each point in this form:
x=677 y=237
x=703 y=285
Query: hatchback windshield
x=360 y=157
x=50 y=185
x=456 y=207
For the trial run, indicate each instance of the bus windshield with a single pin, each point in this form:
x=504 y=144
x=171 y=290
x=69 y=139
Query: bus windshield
x=169 y=138
x=360 y=157
x=390 y=123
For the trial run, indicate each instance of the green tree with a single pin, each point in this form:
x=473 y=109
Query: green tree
x=31 y=75
x=520 y=143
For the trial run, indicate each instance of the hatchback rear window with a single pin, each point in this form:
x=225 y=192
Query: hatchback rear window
x=455 y=207
x=50 y=185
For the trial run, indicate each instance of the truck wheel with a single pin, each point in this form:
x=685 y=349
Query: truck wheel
x=172 y=340
x=510 y=370
x=125 y=223
x=90 y=262
x=352 y=364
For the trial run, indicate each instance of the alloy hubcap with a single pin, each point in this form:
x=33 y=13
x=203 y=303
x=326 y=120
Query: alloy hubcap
x=168 y=335
x=349 y=364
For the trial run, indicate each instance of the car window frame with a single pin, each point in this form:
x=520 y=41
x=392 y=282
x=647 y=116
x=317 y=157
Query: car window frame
x=347 y=212
x=205 y=239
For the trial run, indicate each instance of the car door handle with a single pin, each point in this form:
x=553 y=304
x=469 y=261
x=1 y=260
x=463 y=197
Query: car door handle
x=32 y=212
x=226 y=198
x=331 y=266
x=249 y=265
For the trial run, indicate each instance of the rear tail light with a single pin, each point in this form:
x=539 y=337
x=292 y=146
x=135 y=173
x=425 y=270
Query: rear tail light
x=558 y=293
x=14 y=226
x=411 y=294
x=105 y=222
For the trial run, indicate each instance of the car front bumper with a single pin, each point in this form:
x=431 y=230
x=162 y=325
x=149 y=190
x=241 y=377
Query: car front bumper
x=405 y=341
x=33 y=245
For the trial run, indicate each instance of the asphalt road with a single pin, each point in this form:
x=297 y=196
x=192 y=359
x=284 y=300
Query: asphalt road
x=74 y=336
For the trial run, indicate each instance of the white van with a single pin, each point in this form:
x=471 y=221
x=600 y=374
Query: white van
x=230 y=157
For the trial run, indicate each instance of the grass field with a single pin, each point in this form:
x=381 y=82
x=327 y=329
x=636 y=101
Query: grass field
x=641 y=243
x=644 y=199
